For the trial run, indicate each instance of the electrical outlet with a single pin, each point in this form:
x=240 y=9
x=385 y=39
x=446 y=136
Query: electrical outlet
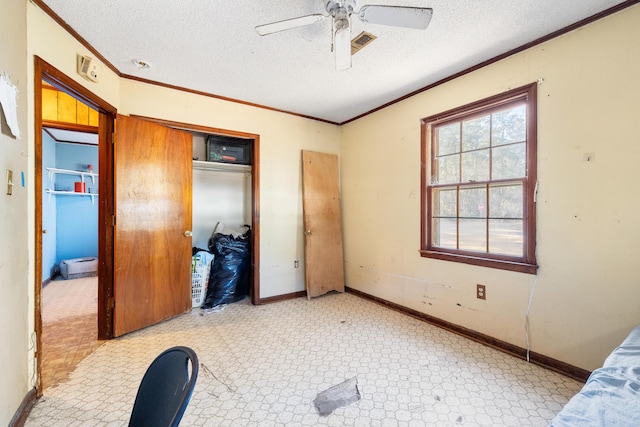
x=481 y=291
x=296 y=264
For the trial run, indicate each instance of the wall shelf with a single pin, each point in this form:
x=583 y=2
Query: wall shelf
x=82 y=175
x=71 y=193
x=218 y=166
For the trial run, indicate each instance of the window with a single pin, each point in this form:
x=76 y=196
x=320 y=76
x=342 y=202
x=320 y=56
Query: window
x=478 y=182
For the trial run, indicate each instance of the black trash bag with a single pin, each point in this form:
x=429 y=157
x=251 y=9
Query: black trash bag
x=229 y=278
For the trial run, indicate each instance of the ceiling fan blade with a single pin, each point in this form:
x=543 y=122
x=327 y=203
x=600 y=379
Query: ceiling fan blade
x=397 y=16
x=342 y=47
x=288 y=24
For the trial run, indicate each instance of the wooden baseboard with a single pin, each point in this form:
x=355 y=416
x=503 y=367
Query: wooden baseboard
x=277 y=298
x=21 y=415
x=535 y=358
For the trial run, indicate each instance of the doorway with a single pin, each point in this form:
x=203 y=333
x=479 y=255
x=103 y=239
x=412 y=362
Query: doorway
x=99 y=130
x=69 y=234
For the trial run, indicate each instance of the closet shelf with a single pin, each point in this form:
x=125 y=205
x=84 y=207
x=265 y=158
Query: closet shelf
x=82 y=175
x=218 y=166
x=71 y=193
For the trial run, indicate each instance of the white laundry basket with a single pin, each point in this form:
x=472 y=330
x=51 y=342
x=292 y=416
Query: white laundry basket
x=200 y=270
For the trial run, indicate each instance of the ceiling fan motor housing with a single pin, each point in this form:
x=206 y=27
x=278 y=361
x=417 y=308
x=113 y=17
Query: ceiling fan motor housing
x=342 y=6
x=340 y=10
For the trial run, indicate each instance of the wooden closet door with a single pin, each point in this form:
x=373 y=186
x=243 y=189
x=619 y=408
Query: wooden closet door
x=152 y=243
x=323 y=252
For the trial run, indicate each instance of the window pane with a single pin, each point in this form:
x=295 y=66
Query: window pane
x=509 y=126
x=448 y=168
x=448 y=139
x=444 y=203
x=472 y=202
x=509 y=161
x=506 y=237
x=506 y=201
x=444 y=233
x=473 y=235
x=475 y=166
x=475 y=133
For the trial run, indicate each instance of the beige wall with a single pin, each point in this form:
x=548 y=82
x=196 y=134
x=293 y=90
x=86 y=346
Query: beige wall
x=14 y=313
x=585 y=300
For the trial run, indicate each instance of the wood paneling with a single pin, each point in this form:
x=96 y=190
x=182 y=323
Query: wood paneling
x=57 y=106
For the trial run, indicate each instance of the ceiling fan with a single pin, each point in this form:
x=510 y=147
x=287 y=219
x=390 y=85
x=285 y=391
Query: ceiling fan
x=341 y=11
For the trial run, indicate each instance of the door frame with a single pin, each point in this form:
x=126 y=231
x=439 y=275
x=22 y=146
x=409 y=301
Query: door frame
x=254 y=289
x=106 y=112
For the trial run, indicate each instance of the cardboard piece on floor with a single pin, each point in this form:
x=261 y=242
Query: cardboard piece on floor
x=337 y=396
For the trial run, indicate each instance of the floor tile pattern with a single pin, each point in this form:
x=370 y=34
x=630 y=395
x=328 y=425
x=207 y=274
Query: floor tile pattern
x=264 y=365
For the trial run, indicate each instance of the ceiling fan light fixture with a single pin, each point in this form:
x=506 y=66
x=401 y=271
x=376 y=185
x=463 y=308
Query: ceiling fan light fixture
x=341 y=24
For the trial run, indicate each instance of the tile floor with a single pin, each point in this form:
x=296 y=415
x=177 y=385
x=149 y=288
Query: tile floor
x=264 y=365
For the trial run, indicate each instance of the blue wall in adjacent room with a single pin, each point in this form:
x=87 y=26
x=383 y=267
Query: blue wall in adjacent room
x=76 y=217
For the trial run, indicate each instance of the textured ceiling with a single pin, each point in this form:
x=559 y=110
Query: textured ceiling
x=211 y=46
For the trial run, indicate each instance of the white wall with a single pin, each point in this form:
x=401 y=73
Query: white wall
x=14 y=266
x=219 y=196
x=588 y=285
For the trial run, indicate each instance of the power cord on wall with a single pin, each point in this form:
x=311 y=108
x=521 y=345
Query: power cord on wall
x=33 y=347
x=526 y=321
x=535 y=281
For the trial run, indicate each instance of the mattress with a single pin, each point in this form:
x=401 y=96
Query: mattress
x=611 y=395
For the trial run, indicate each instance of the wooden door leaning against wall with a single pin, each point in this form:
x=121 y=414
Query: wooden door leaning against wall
x=323 y=251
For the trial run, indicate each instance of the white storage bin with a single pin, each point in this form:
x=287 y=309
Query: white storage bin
x=79 y=267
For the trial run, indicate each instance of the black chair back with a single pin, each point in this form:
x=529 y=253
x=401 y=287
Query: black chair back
x=165 y=389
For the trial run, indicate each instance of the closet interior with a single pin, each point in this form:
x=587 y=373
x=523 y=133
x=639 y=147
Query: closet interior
x=221 y=184
x=222 y=204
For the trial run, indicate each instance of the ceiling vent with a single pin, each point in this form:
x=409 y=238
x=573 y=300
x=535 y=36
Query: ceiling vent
x=361 y=41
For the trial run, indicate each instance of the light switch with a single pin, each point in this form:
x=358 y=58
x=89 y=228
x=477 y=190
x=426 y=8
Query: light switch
x=9 y=182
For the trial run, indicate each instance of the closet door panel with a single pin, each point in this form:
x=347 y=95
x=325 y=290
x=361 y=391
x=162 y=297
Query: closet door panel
x=152 y=243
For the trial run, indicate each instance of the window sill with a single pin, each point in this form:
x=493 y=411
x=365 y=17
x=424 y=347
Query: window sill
x=519 y=267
